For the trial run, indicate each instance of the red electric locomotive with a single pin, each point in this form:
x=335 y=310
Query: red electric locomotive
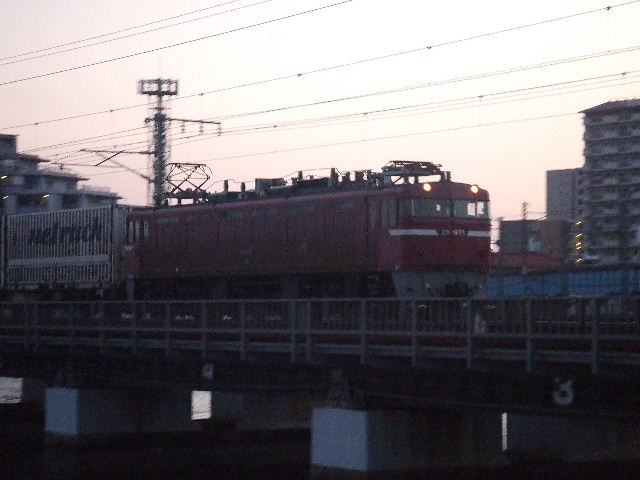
x=392 y=233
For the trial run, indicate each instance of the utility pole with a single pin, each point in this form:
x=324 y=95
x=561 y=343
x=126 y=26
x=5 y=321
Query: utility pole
x=525 y=247
x=182 y=176
x=501 y=270
x=159 y=88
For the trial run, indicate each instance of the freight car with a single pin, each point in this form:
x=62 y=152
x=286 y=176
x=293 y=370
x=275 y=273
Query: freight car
x=594 y=280
x=391 y=233
x=64 y=254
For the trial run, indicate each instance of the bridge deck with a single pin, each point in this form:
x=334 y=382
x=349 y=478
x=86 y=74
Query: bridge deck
x=598 y=332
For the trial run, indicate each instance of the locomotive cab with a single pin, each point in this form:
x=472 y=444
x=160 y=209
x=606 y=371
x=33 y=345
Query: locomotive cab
x=441 y=244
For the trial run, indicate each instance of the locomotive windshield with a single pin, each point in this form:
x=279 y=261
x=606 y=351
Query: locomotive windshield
x=435 y=208
x=425 y=207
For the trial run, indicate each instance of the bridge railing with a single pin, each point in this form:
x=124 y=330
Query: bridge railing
x=460 y=328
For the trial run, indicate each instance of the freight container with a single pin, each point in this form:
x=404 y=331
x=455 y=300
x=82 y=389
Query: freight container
x=78 y=248
x=612 y=280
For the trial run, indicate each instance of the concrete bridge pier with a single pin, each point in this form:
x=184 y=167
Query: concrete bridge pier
x=349 y=443
x=572 y=439
x=74 y=415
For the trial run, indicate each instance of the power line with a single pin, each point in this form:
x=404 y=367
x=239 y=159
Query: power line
x=381 y=138
x=107 y=136
x=494 y=73
x=49 y=54
x=186 y=42
x=352 y=142
x=418 y=109
x=431 y=107
x=505 y=96
x=389 y=137
x=344 y=65
x=115 y=32
x=434 y=84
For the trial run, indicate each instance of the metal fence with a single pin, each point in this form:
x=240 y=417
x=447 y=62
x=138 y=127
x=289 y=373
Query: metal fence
x=591 y=330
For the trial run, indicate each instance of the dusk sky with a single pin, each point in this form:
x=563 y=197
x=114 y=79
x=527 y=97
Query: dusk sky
x=346 y=84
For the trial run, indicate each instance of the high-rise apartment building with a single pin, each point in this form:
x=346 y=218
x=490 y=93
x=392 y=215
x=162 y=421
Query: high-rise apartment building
x=610 y=197
x=562 y=193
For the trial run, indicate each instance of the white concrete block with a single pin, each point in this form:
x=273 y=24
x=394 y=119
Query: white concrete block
x=360 y=440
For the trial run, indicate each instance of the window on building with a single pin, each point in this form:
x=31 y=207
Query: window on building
x=70 y=201
x=31 y=182
x=31 y=200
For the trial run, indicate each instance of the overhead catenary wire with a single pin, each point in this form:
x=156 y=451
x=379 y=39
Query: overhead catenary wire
x=379 y=138
x=389 y=137
x=400 y=89
x=131 y=145
x=178 y=44
x=436 y=83
x=457 y=103
x=449 y=105
x=106 y=136
x=101 y=42
x=362 y=61
x=115 y=32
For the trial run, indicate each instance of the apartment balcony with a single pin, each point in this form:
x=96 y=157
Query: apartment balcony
x=603 y=213
x=601 y=165
x=599 y=151
x=614 y=183
x=613 y=132
x=619 y=162
x=604 y=198
x=600 y=119
x=629 y=182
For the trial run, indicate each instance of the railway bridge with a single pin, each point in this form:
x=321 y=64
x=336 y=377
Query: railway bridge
x=385 y=384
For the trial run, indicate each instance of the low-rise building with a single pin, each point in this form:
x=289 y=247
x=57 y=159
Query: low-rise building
x=25 y=187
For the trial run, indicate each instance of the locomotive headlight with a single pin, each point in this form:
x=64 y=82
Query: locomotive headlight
x=426 y=187
x=474 y=189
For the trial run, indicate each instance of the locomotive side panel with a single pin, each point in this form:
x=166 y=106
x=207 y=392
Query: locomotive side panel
x=271 y=237
x=341 y=245
x=359 y=239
